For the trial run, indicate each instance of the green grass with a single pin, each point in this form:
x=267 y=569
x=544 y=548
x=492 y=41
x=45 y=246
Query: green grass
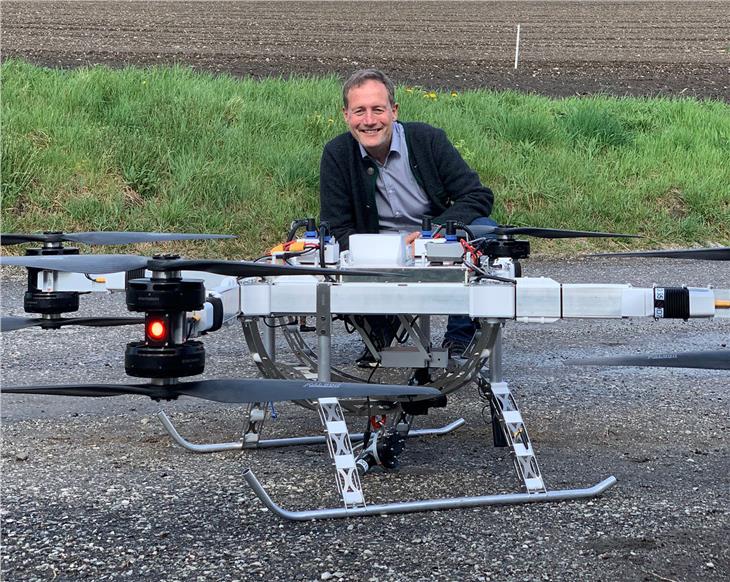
x=174 y=150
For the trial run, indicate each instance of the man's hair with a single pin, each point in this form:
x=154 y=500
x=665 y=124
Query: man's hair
x=359 y=77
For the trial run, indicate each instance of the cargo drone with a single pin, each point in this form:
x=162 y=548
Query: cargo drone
x=469 y=270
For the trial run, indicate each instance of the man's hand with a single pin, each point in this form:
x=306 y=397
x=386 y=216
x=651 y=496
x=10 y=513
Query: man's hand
x=410 y=239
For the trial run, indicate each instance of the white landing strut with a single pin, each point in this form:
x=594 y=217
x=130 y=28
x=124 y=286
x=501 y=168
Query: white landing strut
x=348 y=483
x=425 y=505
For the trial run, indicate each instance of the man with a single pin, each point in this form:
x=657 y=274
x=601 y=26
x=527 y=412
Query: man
x=384 y=175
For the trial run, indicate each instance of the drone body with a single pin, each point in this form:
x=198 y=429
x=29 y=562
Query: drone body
x=184 y=299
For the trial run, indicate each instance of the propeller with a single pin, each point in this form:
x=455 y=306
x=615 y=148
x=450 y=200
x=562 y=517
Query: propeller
x=484 y=230
x=710 y=360
x=706 y=254
x=100 y=264
x=103 y=238
x=97 y=264
x=236 y=391
x=12 y=323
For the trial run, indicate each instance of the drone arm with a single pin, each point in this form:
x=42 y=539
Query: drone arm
x=50 y=281
x=722 y=303
x=222 y=306
x=626 y=301
x=529 y=300
x=68 y=281
x=544 y=300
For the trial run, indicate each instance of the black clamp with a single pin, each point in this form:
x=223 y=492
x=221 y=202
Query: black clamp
x=671 y=303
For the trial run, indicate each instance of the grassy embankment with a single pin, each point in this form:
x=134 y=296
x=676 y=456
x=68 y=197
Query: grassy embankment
x=167 y=149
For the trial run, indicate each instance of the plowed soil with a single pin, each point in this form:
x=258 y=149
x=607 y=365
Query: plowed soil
x=567 y=48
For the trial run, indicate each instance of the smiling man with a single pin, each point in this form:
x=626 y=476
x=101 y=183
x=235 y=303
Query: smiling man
x=385 y=175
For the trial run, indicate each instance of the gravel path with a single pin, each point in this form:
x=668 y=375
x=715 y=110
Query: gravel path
x=94 y=489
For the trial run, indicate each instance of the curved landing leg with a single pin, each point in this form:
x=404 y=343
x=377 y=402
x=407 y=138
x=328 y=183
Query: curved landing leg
x=425 y=505
x=457 y=374
x=285 y=442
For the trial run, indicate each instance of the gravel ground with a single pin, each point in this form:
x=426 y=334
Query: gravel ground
x=94 y=489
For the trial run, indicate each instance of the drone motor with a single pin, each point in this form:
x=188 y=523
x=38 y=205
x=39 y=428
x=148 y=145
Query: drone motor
x=49 y=303
x=505 y=248
x=165 y=352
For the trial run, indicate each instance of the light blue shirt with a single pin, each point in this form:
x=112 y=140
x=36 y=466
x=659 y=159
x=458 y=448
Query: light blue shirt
x=400 y=199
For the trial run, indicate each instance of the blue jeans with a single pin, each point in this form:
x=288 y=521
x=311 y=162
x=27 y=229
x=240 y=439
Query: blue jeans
x=461 y=328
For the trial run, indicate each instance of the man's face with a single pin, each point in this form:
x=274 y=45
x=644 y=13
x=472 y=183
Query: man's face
x=370 y=116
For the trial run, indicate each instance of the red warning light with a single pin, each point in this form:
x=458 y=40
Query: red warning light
x=157 y=329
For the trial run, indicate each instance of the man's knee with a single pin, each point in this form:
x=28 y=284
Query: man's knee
x=484 y=221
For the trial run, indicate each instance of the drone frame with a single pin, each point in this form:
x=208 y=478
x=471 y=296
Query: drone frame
x=494 y=301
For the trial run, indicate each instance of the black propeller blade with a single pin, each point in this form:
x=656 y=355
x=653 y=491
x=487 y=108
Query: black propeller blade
x=237 y=391
x=706 y=254
x=244 y=268
x=104 y=238
x=96 y=264
x=12 y=323
x=484 y=230
x=99 y=264
x=711 y=360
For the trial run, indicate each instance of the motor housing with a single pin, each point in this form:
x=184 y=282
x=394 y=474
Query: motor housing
x=49 y=302
x=165 y=352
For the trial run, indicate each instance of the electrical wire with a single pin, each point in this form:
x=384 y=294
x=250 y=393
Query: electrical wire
x=465 y=228
x=267 y=324
x=349 y=327
x=486 y=275
x=483 y=395
x=375 y=368
x=292 y=254
x=474 y=268
x=295 y=226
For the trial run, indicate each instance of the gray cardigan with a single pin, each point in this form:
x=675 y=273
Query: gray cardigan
x=347 y=182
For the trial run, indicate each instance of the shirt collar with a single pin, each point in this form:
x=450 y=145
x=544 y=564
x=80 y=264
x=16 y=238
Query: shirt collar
x=396 y=141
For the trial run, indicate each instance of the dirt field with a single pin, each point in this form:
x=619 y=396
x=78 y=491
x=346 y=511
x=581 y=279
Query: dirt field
x=567 y=48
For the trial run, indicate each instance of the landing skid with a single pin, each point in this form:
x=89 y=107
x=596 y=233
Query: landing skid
x=425 y=505
x=284 y=442
x=508 y=426
x=513 y=433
